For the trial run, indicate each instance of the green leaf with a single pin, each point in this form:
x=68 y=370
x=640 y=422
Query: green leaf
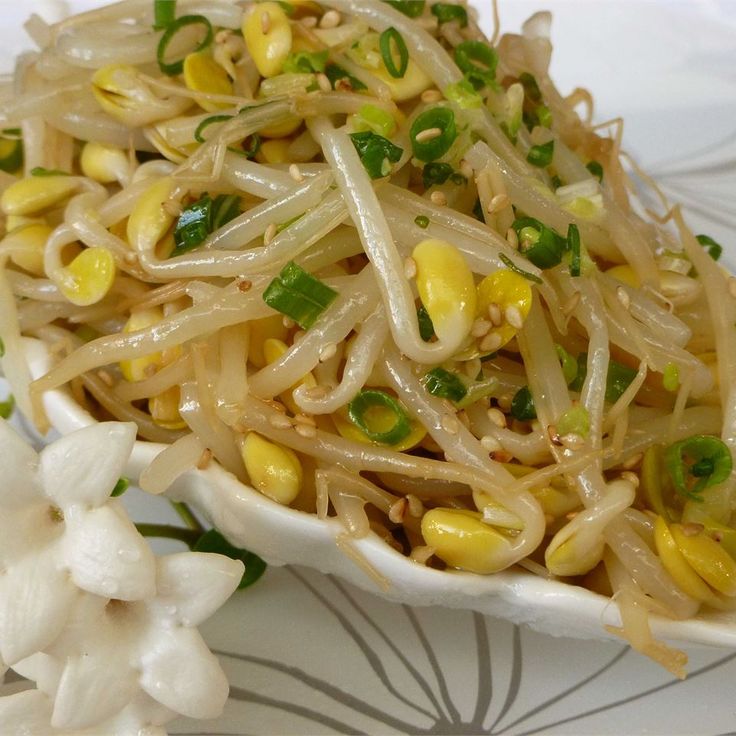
x=213 y=541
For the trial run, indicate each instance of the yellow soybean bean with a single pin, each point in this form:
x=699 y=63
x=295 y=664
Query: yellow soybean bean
x=35 y=194
x=267 y=34
x=150 y=220
x=274 y=470
x=88 y=278
x=203 y=74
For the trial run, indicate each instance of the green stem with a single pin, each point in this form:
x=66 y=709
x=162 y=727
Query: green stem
x=187 y=516
x=166 y=531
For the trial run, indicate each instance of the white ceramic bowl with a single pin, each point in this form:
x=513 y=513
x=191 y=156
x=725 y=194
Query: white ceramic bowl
x=282 y=535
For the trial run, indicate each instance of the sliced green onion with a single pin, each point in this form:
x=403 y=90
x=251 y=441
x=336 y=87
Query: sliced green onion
x=445 y=385
x=11 y=150
x=573 y=245
x=541 y=156
x=445 y=13
x=391 y=37
x=697 y=463
x=531 y=88
x=7 y=407
x=376 y=152
x=464 y=95
x=249 y=146
x=426 y=328
x=201 y=218
x=568 y=363
x=176 y=67
x=335 y=73
x=618 y=379
x=513 y=267
x=522 y=405
x=442 y=118
x=457 y=178
x=435 y=173
x=299 y=295
x=120 y=487
x=206 y=123
x=422 y=221
x=596 y=169
x=41 y=171
x=555 y=183
x=576 y=420
x=306 y=62
x=478 y=62
x=410 y=8
x=164 y=13
x=544 y=116
x=539 y=243
x=359 y=409
x=671 y=377
x=2 y=346
x=213 y=541
x=371 y=117
x=714 y=249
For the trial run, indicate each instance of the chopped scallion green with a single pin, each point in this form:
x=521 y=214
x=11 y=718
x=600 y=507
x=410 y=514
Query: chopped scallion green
x=426 y=328
x=539 y=243
x=436 y=173
x=389 y=40
x=206 y=123
x=568 y=363
x=596 y=169
x=513 y=267
x=359 y=413
x=7 y=407
x=697 y=463
x=464 y=95
x=201 y=218
x=11 y=150
x=172 y=68
x=41 y=171
x=410 y=8
x=120 y=487
x=446 y=13
x=445 y=385
x=164 y=13
x=573 y=245
x=478 y=62
x=522 y=405
x=576 y=420
x=336 y=74
x=440 y=118
x=714 y=249
x=376 y=152
x=306 y=62
x=380 y=121
x=421 y=221
x=542 y=155
x=671 y=377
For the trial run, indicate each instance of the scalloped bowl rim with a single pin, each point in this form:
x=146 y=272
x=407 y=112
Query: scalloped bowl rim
x=282 y=535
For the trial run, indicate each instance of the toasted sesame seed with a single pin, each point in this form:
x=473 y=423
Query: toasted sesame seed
x=204 y=459
x=450 y=424
x=623 y=296
x=295 y=173
x=309 y=21
x=265 y=23
x=244 y=285
x=504 y=401
x=502 y=456
x=416 y=507
x=552 y=434
x=496 y=416
x=490 y=443
x=513 y=317
x=270 y=234
x=438 y=198
x=632 y=478
x=512 y=238
x=279 y=421
x=397 y=511
x=498 y=203
x=431 y=95
x=466 y=169
x=691 y=529
x=305 y=430
x=571 y=304
x=410 y=268
x=494 y=312
x=331 y=19
x=491 y=342
x=480 y=327
x=327 y=352
x=287 y=322
x=428 y=134
x=323 y=82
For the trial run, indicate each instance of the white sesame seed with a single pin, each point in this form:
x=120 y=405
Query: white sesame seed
x=632 y=478
x=431 y=95
x=416 y=507
x=623 y=296
x=491 y=342
x=410 y=268
x=466 y=169
x=512 y=238
x=438 y=198
x=490 y=443
x=306 y=431
x=331 y=19
x=498 y=203
x=204 y=459
x=279 y=421
x=265 y=23
x=494 y=312
x=504 y=401
x=295 y=173
x=513 y=317
x=481 y=327
x=309 y=21
x=496 y=416
x=428 y=134
x=323 y=82
x=692 y=529
x=287 y=322
x=244 y=285
x=450 y=424
x=270 y=234
x=327 y=352
x=397 y=511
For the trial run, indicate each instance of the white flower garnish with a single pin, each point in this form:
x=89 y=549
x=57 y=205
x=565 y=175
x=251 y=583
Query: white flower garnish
x=105 y=629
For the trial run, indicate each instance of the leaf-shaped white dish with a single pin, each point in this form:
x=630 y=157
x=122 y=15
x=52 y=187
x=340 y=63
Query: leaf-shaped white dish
x=282 y=535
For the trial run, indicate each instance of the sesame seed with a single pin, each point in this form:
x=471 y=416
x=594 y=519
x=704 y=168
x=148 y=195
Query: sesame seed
x=490 y=443
x=632 y=478
x=331 y=19
x=498 y=203
x=502 y=456
x=309 y=21
x=466 y=169
x=410 y=268
x=431 y=95
x=571 y=304
x=428 y=134
x=438 y=198
x=480 y=328
x=513 y=317
x=270 y=234
x=279 y=421
x=504 y=401
x=512 y=238
x=691 y=529
x=204 y=459
x=633 y=461
x=397 y=511
x=306 y=431
x=265 y=23
x=295 y=173
x=450 y=424
x=244 y=285
x=327 y=352
x=274 y=404
x=732 y=287
x=496 y=416
x=491 y=342
x=416 y=507
x=287 y=322
x=323 y=82
x=552 y=434
x=494 y=312
x=623 y=296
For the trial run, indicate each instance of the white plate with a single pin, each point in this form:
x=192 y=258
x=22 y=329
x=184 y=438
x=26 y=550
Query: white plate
x=308 y=654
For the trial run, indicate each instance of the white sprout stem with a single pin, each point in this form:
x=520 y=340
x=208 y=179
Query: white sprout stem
x=171 y=463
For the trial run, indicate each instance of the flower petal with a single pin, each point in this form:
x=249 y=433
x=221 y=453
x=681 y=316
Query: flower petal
x=27 y=713
x=42 y=669
x=84 y=466
x=193 y=585
x=182 y=674
x=143 y=715
x=35 y=599
x=20 y=464
x=107 y=556
x=95 y=685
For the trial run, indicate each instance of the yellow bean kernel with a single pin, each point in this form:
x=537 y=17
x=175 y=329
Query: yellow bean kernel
x=504 y=299
x=267 y=34
x=576 y=555
x=138 y=369
x=88 y=278
x=150 y=220
x=708 y=559
x=626 y=275
x=462 y=540
x=382 y=419
x=203 y=74
x=446 y=288
x=274 y=151
x=26 y=245
x=103 y=163
x=274 y=470
x=35 y=194
x=262 y=330
x=411 y=85
x=164 y=409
